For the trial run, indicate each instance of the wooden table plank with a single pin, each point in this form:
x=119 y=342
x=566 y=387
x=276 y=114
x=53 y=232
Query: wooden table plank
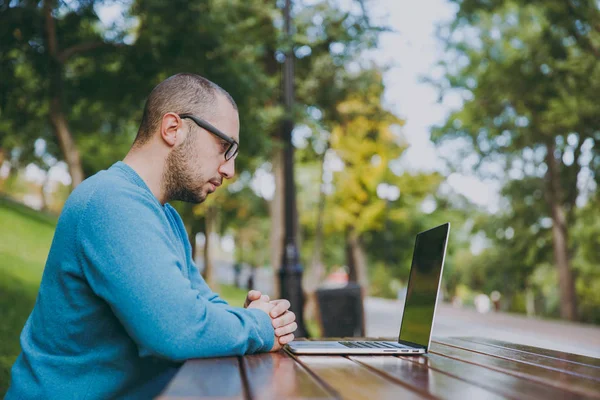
x=454 y=368
x=528 y=358
x=278 y=376
x=426 y=380
x=584 y=386
x=352 y=380
x=559 y=355
x=495 y=381
x=214 y=378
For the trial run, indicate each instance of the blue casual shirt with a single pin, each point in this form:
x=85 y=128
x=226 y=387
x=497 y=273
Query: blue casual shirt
x=121 y=303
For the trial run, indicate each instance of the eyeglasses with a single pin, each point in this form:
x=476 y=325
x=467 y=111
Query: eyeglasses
x=232 y=150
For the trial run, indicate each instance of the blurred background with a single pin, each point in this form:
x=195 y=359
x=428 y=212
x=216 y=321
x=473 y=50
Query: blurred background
x=406 y=115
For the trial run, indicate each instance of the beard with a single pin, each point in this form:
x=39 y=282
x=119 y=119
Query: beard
x=181 y=181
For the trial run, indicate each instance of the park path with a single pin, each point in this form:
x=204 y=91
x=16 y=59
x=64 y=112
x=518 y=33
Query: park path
x=383 y=318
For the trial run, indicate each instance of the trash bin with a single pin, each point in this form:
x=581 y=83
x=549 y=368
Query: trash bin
x=341 y=311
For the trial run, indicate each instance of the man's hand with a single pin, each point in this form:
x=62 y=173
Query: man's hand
x=254 y=295
x=283 y=320
x=262 y=304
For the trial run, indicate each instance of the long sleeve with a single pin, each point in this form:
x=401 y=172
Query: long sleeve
x=200 y=284
x=193 y=273
x=131 y=260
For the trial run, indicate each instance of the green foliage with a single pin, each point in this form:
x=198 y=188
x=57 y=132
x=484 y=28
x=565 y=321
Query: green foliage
x=365 y=140
x=586 y=234
x=576 y=20
x=529 y=77
x=526 y=86
x=231 y=43
x=327 y=39
x=90 y=82
x=521 y=241
x=380 y=282
x=365 y=144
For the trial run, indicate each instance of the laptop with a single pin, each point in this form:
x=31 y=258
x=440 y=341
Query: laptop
x=419 y=307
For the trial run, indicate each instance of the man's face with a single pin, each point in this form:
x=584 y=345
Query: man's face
x=197 y=166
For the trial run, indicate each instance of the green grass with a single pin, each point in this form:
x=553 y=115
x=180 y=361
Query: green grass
x=25 y=239
x=232 y=295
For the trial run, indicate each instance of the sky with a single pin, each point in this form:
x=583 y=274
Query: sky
x=411 y=50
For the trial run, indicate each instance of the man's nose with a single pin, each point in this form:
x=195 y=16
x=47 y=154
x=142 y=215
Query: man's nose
x=227 y=169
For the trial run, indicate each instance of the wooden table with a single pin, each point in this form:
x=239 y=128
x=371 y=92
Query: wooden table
x=455 y=368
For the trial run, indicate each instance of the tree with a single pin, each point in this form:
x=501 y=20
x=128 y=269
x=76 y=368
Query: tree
x=365 y=144
x=53 y=54
x=63 y=68
x=528 y=83
x=586 y=259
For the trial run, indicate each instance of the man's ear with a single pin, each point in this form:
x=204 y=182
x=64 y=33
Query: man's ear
x=170 y=127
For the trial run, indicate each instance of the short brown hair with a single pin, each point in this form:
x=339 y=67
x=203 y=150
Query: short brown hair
x=181 y=93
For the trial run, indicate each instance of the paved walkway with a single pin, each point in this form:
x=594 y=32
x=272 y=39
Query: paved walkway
x=383 y=318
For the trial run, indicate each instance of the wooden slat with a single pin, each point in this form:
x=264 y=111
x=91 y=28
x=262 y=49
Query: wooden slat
x=214 y=378
x=584 y=386
x=427 y=380
x=352 y=380
x=570 y=357
x=528 y=358
x=454 y=368
x=278 y=376
x=495 y=381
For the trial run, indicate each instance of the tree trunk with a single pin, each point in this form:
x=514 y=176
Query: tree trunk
x=209 y=230
x=66 y=142
x=568 y=303
x=57 y=116
x=277 y=221
x=357 y=261
x=2 y=158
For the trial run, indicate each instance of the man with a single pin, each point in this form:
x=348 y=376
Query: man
x=121 y=304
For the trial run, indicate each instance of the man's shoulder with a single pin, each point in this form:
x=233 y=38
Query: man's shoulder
x=109 y=191
x=175 y=215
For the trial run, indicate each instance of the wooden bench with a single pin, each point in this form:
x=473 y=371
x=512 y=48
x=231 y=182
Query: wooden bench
x=455 y=368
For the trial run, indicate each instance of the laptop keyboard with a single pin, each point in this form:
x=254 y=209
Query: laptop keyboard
x=374 y=345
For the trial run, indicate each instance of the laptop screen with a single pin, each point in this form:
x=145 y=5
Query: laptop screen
x=423 y=285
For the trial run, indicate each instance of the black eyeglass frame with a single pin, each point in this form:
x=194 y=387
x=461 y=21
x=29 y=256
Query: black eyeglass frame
x=233 y=145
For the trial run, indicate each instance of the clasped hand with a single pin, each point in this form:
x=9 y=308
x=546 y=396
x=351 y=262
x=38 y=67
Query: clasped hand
x=283 y=320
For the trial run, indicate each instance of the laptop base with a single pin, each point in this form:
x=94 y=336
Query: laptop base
x=352 y=347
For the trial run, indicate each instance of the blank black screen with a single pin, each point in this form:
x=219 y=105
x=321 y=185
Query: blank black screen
x=423 y=284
